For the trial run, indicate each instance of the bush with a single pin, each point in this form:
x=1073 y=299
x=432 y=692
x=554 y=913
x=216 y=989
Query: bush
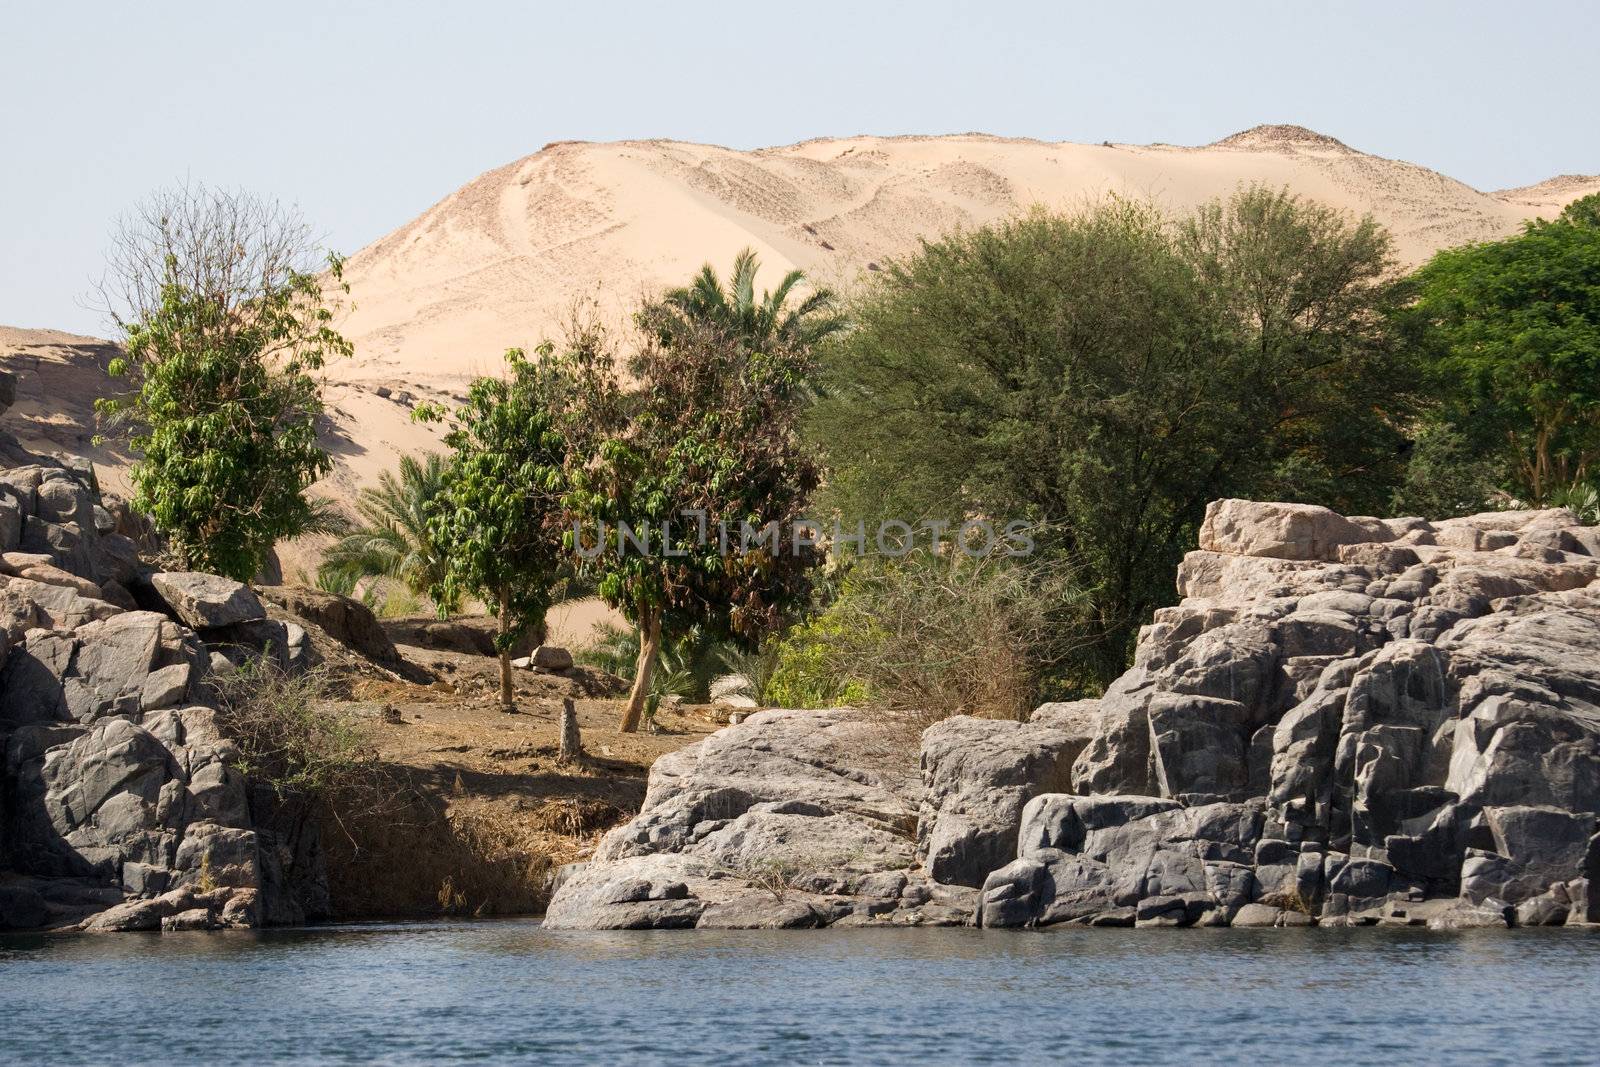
x=927 y=637
x=291 y=737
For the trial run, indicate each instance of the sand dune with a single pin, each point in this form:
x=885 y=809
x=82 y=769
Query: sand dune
x=502 y=261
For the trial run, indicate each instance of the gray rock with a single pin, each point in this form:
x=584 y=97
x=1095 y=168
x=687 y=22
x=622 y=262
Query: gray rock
x=207 y=600
x=759 y=911
x=977 y=775
x=347 y=621
x=646 y=892
x=1257 y=915
x=1346 y=720
x=1281 y=531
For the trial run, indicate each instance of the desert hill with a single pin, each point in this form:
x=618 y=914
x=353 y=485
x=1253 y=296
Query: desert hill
x=502 y=260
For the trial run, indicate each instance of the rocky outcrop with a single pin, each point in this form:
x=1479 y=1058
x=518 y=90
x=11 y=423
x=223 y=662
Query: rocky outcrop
x=977 y=774
x=347 y=621
x=1344 y=721
x=778 y=821
x=1409 y=711
x=121 y=807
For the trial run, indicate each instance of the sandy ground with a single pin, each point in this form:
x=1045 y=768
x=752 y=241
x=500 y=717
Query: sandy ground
x=489 y=810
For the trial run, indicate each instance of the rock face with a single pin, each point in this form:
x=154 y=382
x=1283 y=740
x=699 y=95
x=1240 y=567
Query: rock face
x=120 y=807
x=1375 y=713
x=345 y=620
x=777 y=821
x=977 y=775
x=1345 y=720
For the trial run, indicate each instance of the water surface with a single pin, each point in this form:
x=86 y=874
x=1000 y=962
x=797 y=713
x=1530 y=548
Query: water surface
x=510 y=991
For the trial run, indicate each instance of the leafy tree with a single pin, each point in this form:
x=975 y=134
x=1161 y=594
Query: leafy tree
x=735 y=309
x=1585 y=211
x=712 y=438
x=498 y=514
x=226 y=327
x=394 y=541
x=1513 y=331
x=1306 y=296
x=1106 y=374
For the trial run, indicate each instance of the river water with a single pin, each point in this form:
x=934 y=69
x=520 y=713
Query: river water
x=509 y=991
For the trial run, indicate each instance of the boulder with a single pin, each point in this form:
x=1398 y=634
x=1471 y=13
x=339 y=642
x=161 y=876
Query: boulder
x=347 y=621
x=977 y=775
x=1280 y=531
x=204 y=601
x=471 y=635
x=646 y=892
x=824 y=759
x=545 y=658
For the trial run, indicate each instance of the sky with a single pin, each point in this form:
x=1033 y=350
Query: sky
x=365 y=114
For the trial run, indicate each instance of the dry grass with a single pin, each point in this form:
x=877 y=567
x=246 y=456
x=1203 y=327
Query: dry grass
x=467 y=857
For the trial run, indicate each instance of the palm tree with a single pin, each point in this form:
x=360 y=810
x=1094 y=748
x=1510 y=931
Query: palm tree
x=394 y=543
x=757 y=322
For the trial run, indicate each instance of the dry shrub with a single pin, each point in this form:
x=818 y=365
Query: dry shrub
x=292 y=737
x=576 y=816
x=920 y=639
x=464 y=856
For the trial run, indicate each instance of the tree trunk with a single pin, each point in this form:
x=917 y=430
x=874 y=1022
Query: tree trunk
x=649 y=646
x=571 y=750
x=508 y=692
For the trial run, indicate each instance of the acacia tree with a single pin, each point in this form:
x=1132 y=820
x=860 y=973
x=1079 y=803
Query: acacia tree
x=689 y=515
x=1513 y=328
x=1106 y=373
x=226 y=325
x=497 y=516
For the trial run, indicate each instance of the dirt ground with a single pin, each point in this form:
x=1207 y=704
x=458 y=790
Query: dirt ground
x=484 y=811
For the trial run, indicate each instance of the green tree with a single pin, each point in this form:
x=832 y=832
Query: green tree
x=1106 y=374
x=226 y=325
x=394 y=540
x=498 y=515
x=711 y=444
x=1512 y=328
x=1584 y=211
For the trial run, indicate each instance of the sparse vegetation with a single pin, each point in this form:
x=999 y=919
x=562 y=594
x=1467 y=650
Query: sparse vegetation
x=226 y=326
x=927 y=637
x=291 y=735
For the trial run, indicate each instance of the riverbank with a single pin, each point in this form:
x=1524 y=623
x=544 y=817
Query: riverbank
x=485 y=811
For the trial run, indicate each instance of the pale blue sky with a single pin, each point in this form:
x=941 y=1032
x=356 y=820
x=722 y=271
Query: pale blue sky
x=364 y=114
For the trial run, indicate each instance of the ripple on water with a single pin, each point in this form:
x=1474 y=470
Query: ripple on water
x=503 y=991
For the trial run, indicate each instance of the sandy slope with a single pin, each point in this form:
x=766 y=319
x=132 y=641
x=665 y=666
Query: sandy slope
x=503 y=260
